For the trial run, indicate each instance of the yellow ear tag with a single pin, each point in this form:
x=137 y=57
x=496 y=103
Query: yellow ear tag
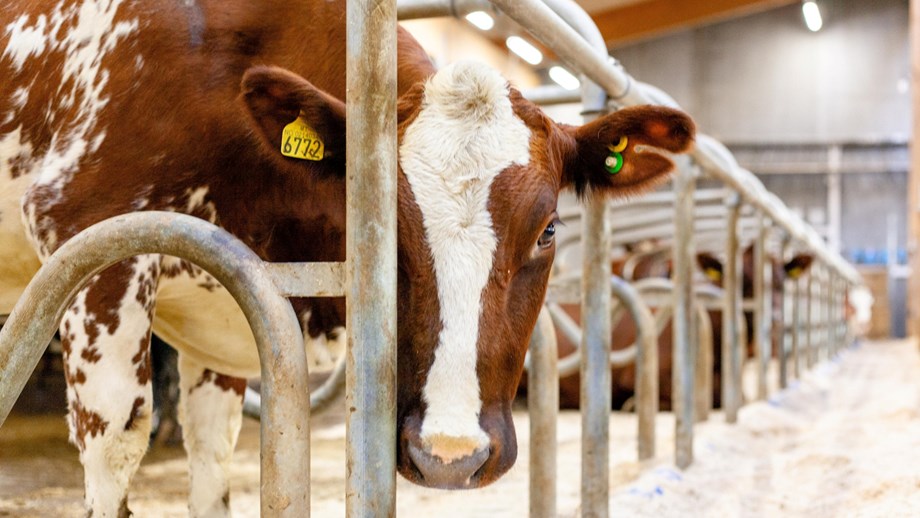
x=621 y=145
x=713 y=274
x=299 y=140
x=794 y=273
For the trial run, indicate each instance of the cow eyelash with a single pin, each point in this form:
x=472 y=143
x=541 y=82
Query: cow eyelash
x=549 y=234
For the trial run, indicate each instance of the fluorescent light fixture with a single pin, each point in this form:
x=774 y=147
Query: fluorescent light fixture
x=812 y=16
x=481 y=19
x=564 y=78
x=525 y=50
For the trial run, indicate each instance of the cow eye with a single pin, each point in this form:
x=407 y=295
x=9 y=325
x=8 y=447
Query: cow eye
x=548 y=236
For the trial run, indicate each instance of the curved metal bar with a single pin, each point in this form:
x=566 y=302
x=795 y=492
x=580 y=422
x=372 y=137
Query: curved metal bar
x=320 y=398
x=543 y=406
x=704 y=363
x=285 y=427
x=646 y=363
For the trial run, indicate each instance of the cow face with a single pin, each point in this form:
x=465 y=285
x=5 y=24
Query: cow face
x=480 y=170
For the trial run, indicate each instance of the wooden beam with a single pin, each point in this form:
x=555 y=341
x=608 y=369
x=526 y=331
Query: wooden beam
x=654 y=17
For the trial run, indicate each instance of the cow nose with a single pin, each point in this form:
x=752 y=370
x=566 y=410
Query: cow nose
x=454 y=474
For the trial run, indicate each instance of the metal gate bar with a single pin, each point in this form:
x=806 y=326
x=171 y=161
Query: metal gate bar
x=763 y=303
x=543 y=407
x=731 y=314
x=371 y=261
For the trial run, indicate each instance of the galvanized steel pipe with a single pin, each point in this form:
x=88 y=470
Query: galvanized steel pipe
x=371 y=258
x=285 y=425
x=684 y=313
x=543 y=407
x=731 y=314
x=763 y=300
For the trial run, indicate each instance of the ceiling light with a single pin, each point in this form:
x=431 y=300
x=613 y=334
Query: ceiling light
x=481 y=19
x=525 y=50
x=564 y=78
x=812 y=16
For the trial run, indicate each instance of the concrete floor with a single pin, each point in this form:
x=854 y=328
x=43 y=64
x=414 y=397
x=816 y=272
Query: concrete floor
x=743 y=470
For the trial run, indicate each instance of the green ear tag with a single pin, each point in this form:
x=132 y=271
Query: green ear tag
x=614 y=162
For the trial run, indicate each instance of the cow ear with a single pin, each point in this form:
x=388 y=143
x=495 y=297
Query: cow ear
x=295 y=120
x=614 y=154
x=798 y=265
x=710 y=265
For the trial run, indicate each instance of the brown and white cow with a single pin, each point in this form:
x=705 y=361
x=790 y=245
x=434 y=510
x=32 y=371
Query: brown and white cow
x=623 y=379
x=112 y=106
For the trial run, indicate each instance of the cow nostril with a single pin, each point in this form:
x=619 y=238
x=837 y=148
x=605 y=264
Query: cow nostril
x=456 y=474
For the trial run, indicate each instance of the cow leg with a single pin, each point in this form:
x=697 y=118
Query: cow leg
x=105 y=339
x=211 y=413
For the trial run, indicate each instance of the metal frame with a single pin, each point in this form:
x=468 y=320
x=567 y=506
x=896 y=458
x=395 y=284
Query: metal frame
x=570 y=33
x=285 y=462
x=370 y=282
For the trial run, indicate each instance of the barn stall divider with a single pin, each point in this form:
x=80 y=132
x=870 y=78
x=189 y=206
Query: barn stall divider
x=563 y=27
x=368 y=280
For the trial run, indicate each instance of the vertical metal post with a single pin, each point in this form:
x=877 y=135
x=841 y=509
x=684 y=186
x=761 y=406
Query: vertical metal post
x=595 y=367
x=731 y=313
x=785 y=335
x=796 y=327
x=810 y=314
x=703 y=364
x=830 y=298
x=646 y=362
x=844 y=325
x=596 y=339
x=763 y=301
x=543 y=407
x=684 y=312
x=371 y=259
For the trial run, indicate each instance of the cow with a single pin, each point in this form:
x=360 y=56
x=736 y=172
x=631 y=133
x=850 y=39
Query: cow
x=111 y=106
x=623 y=379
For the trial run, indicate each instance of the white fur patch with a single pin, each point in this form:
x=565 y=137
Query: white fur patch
x=25 y=41
x=464 y=136
x=211 y=418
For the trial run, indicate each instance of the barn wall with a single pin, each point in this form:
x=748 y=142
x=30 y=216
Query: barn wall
x=765 y=77
x=764 y=80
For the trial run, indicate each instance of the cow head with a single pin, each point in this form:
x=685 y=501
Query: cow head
x=792 y=269
x=480 y=171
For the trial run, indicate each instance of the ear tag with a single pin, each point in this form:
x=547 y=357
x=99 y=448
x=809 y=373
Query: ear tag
x=614 y=161
x=713 y=274
x=299 y=140
x=621 y=145
x=794 y=273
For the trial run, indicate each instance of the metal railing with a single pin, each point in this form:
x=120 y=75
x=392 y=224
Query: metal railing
x=369 y=276
x=563 y=27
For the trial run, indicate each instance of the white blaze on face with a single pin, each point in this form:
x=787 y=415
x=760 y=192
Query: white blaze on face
x=465 y=134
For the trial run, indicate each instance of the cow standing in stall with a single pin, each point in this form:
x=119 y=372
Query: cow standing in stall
x=110 y=106
x=623 y=379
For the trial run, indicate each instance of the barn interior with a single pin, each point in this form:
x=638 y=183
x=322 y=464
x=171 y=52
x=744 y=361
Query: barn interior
x=819 y=101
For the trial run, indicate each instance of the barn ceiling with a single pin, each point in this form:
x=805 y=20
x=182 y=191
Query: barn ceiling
x=623 y=21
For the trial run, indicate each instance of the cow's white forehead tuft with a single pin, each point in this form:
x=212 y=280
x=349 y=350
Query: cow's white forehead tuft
x=468 y=91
